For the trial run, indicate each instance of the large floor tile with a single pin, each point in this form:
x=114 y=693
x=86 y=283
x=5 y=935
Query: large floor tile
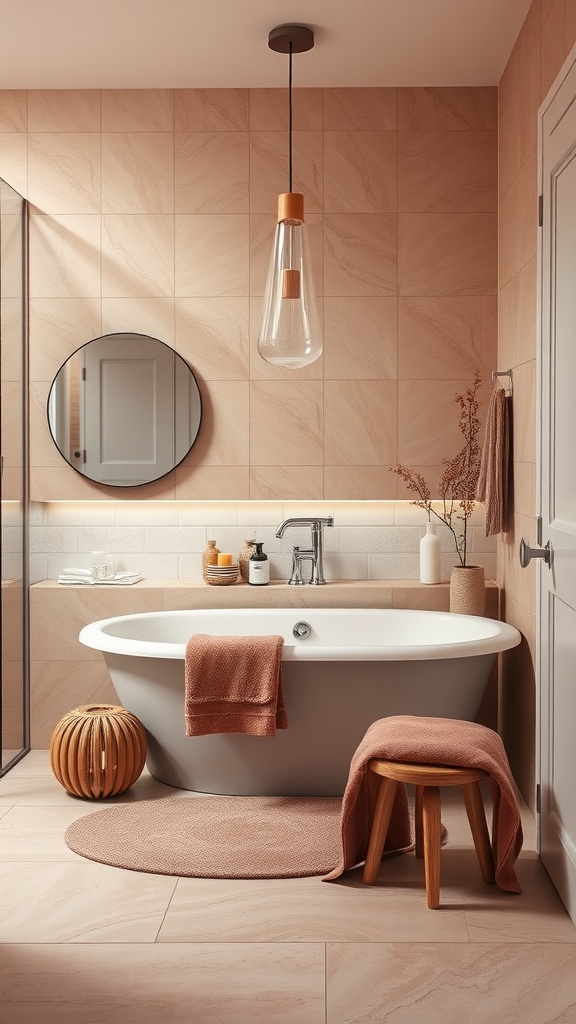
x=37 y=833
x=401 y=983
x=80 y=902
x=305 y=910
x=176 y=984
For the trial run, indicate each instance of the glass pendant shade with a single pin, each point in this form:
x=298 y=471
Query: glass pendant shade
x=290 y=333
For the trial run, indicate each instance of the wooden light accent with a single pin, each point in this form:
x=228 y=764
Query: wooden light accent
x=291 y=284
x=291 y=208
x=98 y=750
x=428 y=778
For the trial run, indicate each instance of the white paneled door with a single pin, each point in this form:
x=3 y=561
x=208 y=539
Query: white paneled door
x=557 y=463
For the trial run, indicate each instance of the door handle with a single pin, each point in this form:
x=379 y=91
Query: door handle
x=527 y=553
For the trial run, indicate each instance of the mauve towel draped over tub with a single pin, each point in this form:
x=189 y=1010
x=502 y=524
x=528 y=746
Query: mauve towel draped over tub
x=234 y=684
x=428 y=741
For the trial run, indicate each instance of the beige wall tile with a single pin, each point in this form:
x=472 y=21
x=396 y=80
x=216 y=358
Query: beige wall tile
x=447 y=254
x=211 y=110
x=509 y=160
x=223 y=437
x=64 y=110
x=58 y=326
x=152 y=316
x=551 y=46
x=447 y=171
x=451 y=108
x=58 y=686
x=13 y=110
x=137 y=110
x=569 y=25
x=64 y=172
x=212 y=172
x=137 y=255
x=290 y=483
x=420 y=404
x=14 y=157
x=525 y=495
x=212 y=335
x=374 y=321
x=528 y=89
x=11 y=332
x=525 y=412
x=370 y=109
x=286 y=423
x=517 y=317
x=57 y=484
x=359 y=482
x=63 y=255
x=269 y=110
x=360 y=172
x=443 y=338
x=211 y=254
x=360 y=254
x=209 y=483
x=269 y=170
x=527 y=211
x=43 y=451
x=508 y=235
x=137 y=172
x=360 y=422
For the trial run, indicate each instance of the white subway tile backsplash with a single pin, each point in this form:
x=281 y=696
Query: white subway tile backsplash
x=47 y=539
x=174 y=538
x=111 y=539
x=146 y=513
x=393 y=566
x=80 y=513
x=165 y=540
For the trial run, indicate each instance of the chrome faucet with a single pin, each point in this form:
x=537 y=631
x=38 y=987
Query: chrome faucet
x=315 y=553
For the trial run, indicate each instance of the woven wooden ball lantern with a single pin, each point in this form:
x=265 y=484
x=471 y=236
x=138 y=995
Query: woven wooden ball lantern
x=98 y=750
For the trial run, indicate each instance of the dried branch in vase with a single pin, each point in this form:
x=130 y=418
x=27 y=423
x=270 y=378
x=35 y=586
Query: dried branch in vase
x=457 y=486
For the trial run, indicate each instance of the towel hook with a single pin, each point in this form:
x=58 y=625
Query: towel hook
x=503 y=373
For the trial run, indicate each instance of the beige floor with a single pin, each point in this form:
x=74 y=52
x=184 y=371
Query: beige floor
x=83 y=943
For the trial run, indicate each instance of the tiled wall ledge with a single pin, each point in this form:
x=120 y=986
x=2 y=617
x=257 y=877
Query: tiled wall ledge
x=65 y=674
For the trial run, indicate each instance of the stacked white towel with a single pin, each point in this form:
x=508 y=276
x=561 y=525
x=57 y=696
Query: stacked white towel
x=85 y=576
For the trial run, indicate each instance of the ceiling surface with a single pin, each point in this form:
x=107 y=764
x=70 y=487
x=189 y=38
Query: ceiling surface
x=67 y=44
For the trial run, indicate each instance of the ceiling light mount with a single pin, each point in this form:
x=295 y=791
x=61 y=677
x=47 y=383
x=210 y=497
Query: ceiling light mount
x=291 y=39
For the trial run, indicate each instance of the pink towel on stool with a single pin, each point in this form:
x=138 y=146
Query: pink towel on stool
x=234 y=684
x=443 y=741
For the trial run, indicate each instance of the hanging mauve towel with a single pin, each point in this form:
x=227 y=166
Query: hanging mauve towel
x=495 y=479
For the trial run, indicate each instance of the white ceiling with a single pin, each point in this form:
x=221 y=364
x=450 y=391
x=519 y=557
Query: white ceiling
x=66 y=44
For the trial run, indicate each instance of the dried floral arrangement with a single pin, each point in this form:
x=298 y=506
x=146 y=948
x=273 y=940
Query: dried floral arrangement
x=457 y=488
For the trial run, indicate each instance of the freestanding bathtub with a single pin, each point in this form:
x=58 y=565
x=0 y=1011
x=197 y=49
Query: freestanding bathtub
x=354 y=667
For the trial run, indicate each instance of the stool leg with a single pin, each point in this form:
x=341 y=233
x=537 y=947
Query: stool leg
x=382 y=813
x=431 y=828
x=479 y=829
x=419 y=844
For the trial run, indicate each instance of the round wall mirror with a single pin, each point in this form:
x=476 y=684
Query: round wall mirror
x=124 y=409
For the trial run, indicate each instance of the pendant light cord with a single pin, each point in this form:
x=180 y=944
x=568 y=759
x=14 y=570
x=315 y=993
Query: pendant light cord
x=290 y=119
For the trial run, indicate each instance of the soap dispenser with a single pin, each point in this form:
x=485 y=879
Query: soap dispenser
x=258 y=567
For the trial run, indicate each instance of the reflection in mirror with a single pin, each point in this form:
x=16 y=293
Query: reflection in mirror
x=124 y=409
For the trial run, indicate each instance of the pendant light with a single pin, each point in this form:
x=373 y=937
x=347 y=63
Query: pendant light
x=290 y=333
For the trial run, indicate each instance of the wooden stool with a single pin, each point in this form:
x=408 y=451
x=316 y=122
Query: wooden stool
x=428 y=778
x=98 y=750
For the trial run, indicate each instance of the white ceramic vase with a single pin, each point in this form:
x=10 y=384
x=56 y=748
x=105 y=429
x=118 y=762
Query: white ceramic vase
x=430 y=550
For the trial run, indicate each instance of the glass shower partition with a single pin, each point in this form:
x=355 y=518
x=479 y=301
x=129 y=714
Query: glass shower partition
x=14 y=680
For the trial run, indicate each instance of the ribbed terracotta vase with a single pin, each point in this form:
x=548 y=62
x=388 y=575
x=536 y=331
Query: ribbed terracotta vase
x=468 y=590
